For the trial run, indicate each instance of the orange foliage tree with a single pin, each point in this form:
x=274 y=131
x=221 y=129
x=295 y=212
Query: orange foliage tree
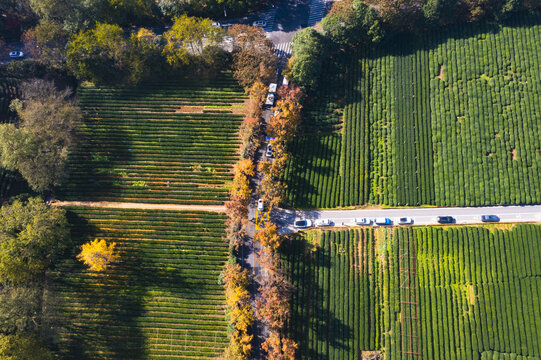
x=240 y=311
x=268 y=236
x=278 y=347
x=241 y=182
x=253 y=55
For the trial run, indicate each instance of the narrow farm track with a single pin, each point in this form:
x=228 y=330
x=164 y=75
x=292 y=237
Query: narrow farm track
x=142 y=206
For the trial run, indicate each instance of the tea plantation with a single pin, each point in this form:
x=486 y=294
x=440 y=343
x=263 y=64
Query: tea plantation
x=161 y=300
x=475 y=297
x=169 y=142
x=450 y=119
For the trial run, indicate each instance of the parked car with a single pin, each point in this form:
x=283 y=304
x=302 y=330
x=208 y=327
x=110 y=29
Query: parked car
x=383 y=221
x=270 y=100
x=489 y=218
x=259 y=23
x=323 y=222
x=16 y=54
x=273 y=87
x=268 y=153
x=446 y=219
x=405 y=221
x=217 y=24
x=303 y=224
x=260 y=205
x=363 y=221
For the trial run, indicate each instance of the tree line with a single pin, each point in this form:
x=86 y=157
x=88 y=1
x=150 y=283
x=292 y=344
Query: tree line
x=354 y=23
x=80 y=15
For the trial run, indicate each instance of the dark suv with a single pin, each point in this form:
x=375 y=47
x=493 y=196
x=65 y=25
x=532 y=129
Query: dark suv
x=446 y=219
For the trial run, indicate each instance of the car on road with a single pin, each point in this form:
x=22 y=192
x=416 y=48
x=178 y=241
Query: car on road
x=259 y=23
x=446 y=219
x=363 y=221
x=16 y=54
x=489 y=218
x=383 y=221
x=270 y=100
x=268 y=153
x=303 y=224
x=323 y=222
x=405 y=221
x=260 y=205
x=217 y=24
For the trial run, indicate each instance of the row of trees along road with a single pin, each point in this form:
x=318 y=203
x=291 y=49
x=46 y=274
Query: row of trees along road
x=79 y=15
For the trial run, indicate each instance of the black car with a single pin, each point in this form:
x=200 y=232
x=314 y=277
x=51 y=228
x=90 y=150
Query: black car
x=446 y=219
x=489 y=218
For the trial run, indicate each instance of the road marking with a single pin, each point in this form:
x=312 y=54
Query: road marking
x=261 y=218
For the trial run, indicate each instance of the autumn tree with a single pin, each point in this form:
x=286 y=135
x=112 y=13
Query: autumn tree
x=241 y=182
x=31 y=236
x=98 y=255
x=253 y=55
x=46 y=42
x=39 y=146
x=236 y=210
x=239 y=310
x=257 y=94
x=268 y=236
x=278 y=347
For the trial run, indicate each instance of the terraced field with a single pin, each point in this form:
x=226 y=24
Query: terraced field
x=172 y=142
x=475 y=292
x=161 y=300
x=450 y=119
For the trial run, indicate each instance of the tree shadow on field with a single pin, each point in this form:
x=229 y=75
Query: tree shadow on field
x=311 y=314
x=310 y=157
x=432 y=38
x=107 y=314
x=104 y=145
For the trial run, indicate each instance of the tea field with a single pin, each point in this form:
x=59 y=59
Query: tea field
x=161 y=300
x=451 y=119
x=168 y=142
x=475 y=292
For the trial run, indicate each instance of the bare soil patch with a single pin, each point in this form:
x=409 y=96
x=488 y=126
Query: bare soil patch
x=514 y=153
x=123 y=205
x=441 y=76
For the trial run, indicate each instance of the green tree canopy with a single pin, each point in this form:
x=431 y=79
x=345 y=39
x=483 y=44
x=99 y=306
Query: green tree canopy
x=99 y=55
x=20 y=308
x=308 y=49
x=23 y=347
x=39 y=147
x=31 y=235
x=187 y=39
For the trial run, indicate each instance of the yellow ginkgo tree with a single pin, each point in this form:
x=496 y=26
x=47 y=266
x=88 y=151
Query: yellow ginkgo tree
x=97 y=254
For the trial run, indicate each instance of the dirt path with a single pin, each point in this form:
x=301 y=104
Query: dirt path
x=125 y=205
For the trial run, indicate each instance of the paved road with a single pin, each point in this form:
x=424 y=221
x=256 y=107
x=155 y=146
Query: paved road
x=420 y=216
